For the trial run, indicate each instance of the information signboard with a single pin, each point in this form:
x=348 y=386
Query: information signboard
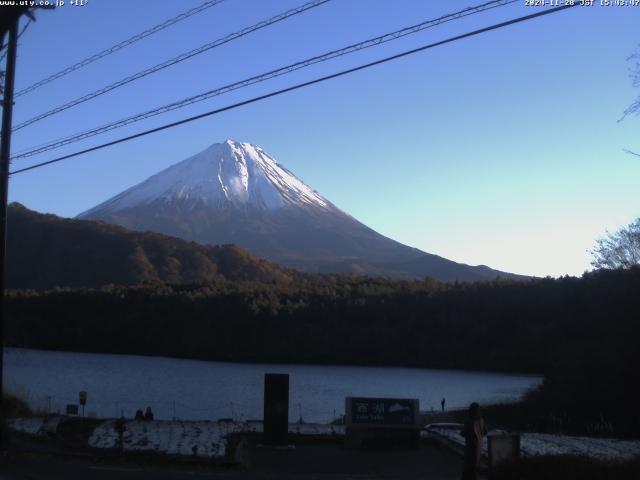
x=384 y=412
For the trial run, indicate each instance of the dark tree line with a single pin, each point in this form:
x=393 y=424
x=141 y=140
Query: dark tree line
x=583 y=334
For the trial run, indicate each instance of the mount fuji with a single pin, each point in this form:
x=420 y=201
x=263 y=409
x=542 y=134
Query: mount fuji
x=234 y=192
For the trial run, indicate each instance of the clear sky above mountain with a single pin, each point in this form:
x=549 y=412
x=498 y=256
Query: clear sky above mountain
x=503 y=149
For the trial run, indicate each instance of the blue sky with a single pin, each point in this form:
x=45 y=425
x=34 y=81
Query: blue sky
x=503 y=149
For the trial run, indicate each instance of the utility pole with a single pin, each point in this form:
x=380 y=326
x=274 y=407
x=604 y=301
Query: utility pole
x=5 y=151
x=8 y=23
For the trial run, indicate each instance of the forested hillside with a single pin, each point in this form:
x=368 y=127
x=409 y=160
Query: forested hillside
x=45 y=251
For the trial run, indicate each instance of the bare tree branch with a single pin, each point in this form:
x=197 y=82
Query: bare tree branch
x=620 y=249
x=634 y=74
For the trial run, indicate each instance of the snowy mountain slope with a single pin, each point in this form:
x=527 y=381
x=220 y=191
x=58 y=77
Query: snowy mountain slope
x=234 y=192
x=231 y=172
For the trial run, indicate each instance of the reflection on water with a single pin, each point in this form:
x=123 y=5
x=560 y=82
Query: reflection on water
x=191 y=389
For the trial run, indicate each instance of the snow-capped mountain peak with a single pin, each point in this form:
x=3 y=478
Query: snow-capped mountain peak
x=230 y=172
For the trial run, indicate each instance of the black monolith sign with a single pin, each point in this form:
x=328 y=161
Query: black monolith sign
x=276 y=408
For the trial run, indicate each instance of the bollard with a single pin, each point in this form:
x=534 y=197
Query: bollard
x=504 y=447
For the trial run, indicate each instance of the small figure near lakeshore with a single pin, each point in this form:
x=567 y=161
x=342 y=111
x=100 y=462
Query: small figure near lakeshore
x=121 y=426
x=442 y=402
x=473 y=432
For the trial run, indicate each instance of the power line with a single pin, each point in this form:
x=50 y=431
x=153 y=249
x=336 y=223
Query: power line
x=300 y=85
x=120 y=46
x=24 y=28
x=263 y=77
x=180 y=58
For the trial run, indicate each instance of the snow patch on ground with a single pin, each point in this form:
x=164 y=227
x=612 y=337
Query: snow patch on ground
x=209 y=439
x=532 y=444
x=202 y=438
x=602 y=448
x=31 y=426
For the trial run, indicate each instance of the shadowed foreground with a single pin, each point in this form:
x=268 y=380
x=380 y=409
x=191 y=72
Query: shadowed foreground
x=308 y=461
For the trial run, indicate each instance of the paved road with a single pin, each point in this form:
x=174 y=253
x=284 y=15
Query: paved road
x=305 y=462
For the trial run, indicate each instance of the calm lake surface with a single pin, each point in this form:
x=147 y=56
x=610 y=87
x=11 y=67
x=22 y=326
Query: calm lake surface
x=191 y=389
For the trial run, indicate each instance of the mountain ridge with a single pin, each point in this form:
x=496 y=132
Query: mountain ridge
x=235 y=193
x=46 y=251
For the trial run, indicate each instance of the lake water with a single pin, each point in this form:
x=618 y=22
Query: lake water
x=193 y=390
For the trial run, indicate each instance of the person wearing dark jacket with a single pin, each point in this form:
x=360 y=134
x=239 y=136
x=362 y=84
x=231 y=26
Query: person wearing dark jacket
x=473 y=432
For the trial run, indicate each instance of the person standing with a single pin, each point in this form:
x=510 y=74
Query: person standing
x=442 y=402
x=473 y=432
x=148 y=414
